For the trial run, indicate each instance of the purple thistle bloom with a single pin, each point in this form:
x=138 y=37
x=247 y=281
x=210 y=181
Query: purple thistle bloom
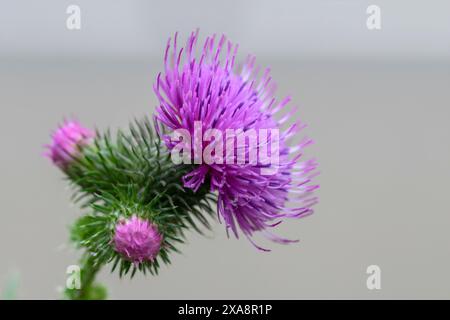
x=138 y=240
x=208 y=89
x=67 y=141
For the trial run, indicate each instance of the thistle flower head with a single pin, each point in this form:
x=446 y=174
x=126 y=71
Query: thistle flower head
x=67 y=141
x=137 y=239
x=207 y=92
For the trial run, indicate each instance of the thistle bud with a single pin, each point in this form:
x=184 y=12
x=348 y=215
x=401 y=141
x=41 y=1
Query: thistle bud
x=67 y=142
x=137 y=239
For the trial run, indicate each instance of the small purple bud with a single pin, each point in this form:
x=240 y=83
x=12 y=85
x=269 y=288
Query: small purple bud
x=67 y=141
x=137 y=239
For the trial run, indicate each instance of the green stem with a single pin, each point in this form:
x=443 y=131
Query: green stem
x=89 y=290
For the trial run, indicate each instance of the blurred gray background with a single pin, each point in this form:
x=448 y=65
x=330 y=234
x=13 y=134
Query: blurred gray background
x=377 y=105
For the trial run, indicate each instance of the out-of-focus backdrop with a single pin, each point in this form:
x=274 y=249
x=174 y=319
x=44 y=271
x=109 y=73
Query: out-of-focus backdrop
x=377 y=103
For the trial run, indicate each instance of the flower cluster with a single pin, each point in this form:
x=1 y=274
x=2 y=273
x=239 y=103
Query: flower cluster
x=205 y=93
x=240 y=154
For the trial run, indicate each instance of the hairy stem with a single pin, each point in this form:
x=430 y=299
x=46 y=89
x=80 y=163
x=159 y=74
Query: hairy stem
x=89 y=290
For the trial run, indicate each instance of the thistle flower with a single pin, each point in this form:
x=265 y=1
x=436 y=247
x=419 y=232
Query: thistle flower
x=67 y=141
x=138 y=240
x=209 y=93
